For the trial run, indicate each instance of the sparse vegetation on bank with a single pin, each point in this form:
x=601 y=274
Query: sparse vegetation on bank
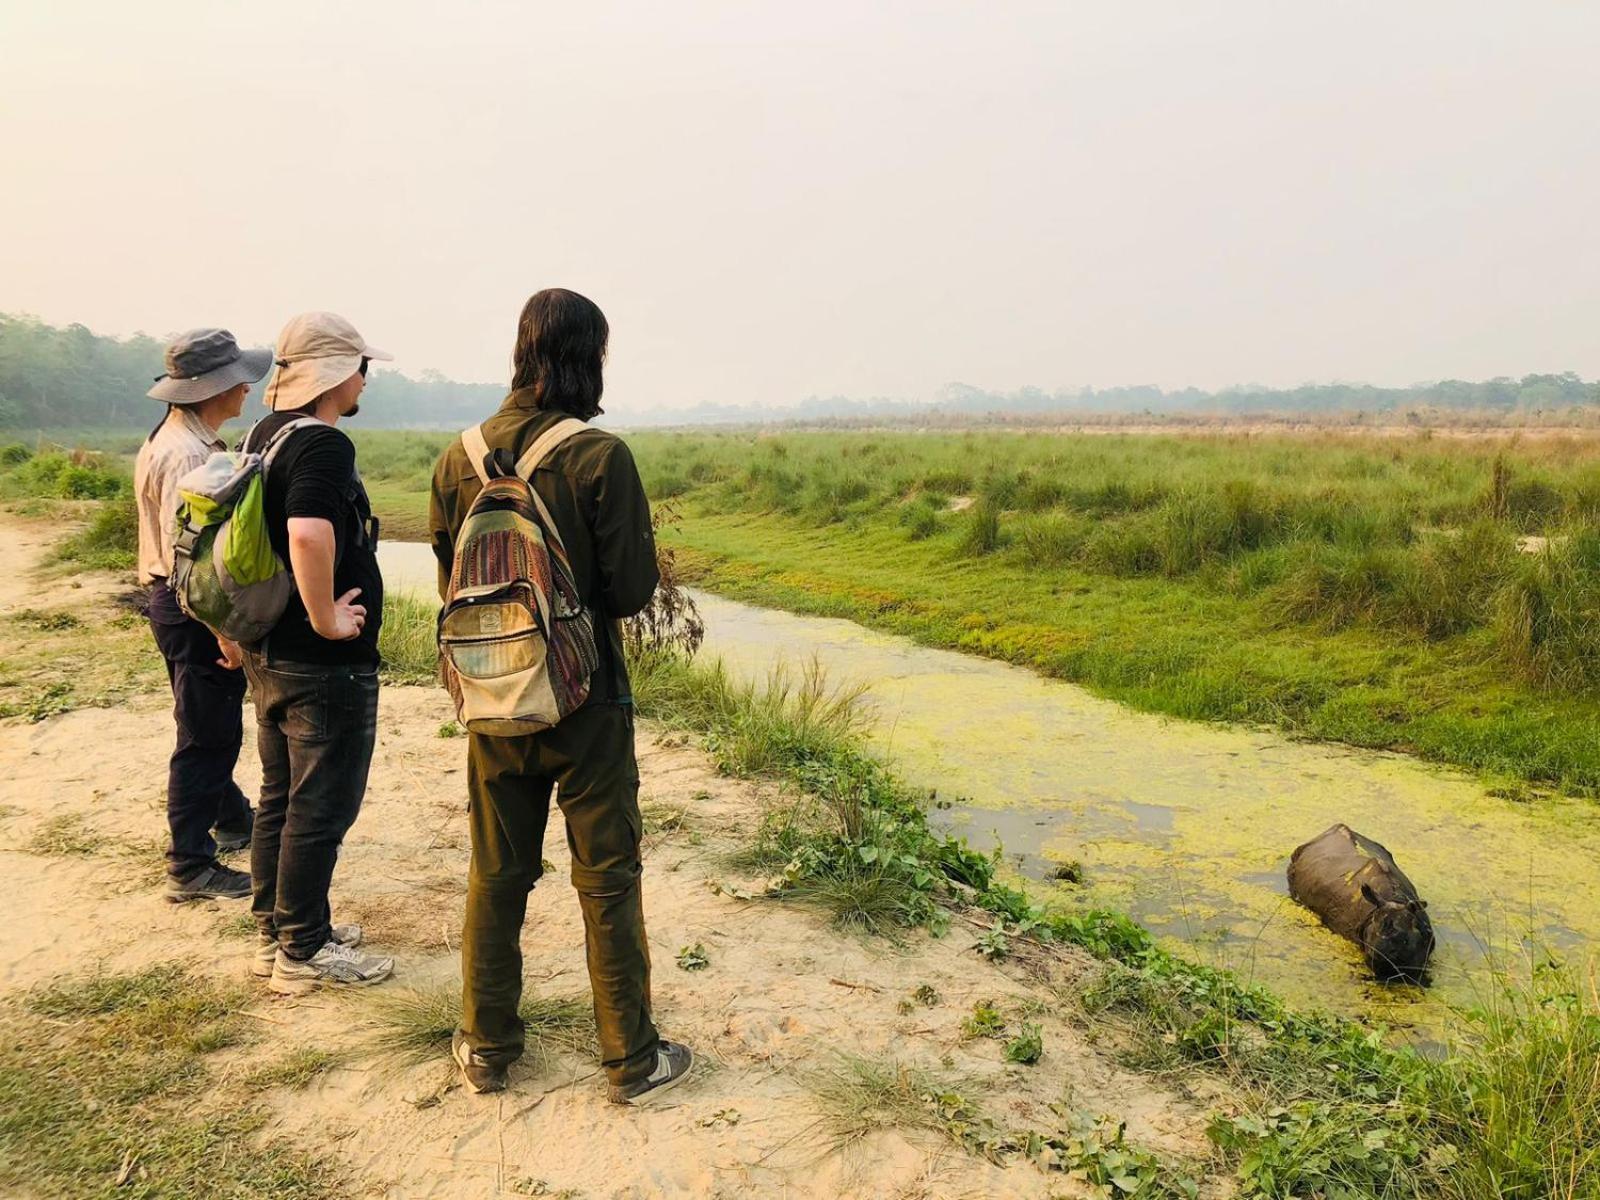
x=104 y=1091
x=1325 y=1106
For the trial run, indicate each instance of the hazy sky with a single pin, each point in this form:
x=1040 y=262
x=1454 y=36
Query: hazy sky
x=777 y=200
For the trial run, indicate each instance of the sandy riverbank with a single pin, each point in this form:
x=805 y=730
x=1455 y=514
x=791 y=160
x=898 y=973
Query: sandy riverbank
x=783 y=997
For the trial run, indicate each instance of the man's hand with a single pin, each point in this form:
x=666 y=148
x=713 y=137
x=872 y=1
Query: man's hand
x=232 y=654
x=347 y=620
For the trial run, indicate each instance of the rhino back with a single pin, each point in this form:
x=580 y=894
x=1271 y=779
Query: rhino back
x=1384 y=875
x=1326 y=875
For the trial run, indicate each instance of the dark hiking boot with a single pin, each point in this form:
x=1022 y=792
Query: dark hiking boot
x=267 y=948
x=673 y=1064
x=478 y=1073
x=211 y=883
x=229 y=840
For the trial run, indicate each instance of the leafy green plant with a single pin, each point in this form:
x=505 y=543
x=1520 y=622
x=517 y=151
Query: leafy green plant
x=985 y=1021
x=693 y=958
x=1026 y=1047
x=994 y=944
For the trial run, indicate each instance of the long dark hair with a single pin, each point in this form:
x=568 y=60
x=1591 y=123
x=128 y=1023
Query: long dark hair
x=561 y=347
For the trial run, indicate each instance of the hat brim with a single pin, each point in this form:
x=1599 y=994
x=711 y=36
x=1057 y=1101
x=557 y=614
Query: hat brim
x=250 y=367
x=298 y=383
x=376 y=355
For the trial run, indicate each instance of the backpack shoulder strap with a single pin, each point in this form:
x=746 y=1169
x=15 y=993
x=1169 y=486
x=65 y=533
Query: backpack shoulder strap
x=546 y=442
x=276 y=441
x=477 y=448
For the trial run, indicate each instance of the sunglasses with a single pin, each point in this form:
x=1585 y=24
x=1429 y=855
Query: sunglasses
x=363 y=367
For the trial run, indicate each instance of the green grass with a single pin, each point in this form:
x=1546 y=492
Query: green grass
x=295 y=1069
x=108 y=1077
x=1355 y=590
x=65 y=836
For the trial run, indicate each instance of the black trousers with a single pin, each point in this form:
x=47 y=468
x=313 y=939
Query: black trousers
x=207 y=700
x=316 y=726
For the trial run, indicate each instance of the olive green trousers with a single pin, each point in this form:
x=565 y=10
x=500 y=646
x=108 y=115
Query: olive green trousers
x=588 y=759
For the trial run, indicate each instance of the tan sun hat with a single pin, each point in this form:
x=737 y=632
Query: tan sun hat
x=316 y=351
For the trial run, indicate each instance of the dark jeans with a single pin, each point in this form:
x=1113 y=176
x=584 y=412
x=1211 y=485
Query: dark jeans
x=588 y=759
x=315 y=726
x=206 y=704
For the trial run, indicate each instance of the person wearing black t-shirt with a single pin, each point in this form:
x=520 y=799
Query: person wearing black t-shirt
x=314 y=677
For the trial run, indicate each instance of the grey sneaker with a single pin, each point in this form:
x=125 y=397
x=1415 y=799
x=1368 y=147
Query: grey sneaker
x=267 y=948
x=215 y=882
x=479 y=1074
x=332 y=966
x=674 y=1061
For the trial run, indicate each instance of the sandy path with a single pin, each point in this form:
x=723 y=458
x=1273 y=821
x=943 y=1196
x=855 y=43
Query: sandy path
x=770 y=1009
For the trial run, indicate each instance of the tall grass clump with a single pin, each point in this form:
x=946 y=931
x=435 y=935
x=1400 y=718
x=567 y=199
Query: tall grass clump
x=408 y=643
x=412 y=1025
x=1547 y=621
x=920 y=518
x=784 y=724
x=1052 y=539
x=1519 y=1100
x=982 y=533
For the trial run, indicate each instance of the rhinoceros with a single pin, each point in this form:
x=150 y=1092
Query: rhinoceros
x=1353 y=884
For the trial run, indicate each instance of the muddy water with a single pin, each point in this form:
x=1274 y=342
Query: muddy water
x=1186 y=826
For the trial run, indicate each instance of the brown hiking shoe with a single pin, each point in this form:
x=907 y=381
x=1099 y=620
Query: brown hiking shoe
x=478 y=1073
x=674 y=1061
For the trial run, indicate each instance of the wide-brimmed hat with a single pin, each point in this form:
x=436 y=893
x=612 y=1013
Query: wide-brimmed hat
x=316 y=351
x=204 y=363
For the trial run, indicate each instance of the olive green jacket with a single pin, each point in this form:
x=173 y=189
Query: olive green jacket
x=592 y=488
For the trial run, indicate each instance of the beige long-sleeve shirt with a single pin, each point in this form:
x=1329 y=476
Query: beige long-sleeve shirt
x=182 y=443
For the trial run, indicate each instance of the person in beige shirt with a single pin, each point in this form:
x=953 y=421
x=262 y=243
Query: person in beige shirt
x=205 y=384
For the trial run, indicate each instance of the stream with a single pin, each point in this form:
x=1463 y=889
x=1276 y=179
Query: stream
x=1188 y=827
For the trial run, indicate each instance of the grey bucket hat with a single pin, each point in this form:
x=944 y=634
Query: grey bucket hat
x=204 y=363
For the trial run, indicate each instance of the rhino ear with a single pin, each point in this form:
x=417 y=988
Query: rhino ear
x=1370 y=896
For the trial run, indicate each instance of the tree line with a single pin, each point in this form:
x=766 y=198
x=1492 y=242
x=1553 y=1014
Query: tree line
x=53 y=377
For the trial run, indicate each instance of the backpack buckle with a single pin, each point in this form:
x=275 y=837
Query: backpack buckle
x=184 y=544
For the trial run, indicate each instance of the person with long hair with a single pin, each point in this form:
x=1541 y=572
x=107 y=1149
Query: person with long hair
x=591 y=490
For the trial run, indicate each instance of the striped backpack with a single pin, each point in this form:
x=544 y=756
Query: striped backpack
x=517 y=647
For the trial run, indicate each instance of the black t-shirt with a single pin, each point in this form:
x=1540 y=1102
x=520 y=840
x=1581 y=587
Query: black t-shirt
x=314 y=475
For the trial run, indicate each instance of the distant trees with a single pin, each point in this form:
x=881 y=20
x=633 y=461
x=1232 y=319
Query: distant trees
x=51 y=376
x=54 y=377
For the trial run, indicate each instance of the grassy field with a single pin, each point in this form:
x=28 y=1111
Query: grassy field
x=1324 y=1106
x=1356 y=588
x=1363 y=590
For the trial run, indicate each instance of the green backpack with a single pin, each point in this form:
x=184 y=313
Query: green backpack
x=224 y=570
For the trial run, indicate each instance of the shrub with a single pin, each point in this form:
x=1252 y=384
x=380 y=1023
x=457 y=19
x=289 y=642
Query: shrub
x=14 y=454
x=109 y=542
